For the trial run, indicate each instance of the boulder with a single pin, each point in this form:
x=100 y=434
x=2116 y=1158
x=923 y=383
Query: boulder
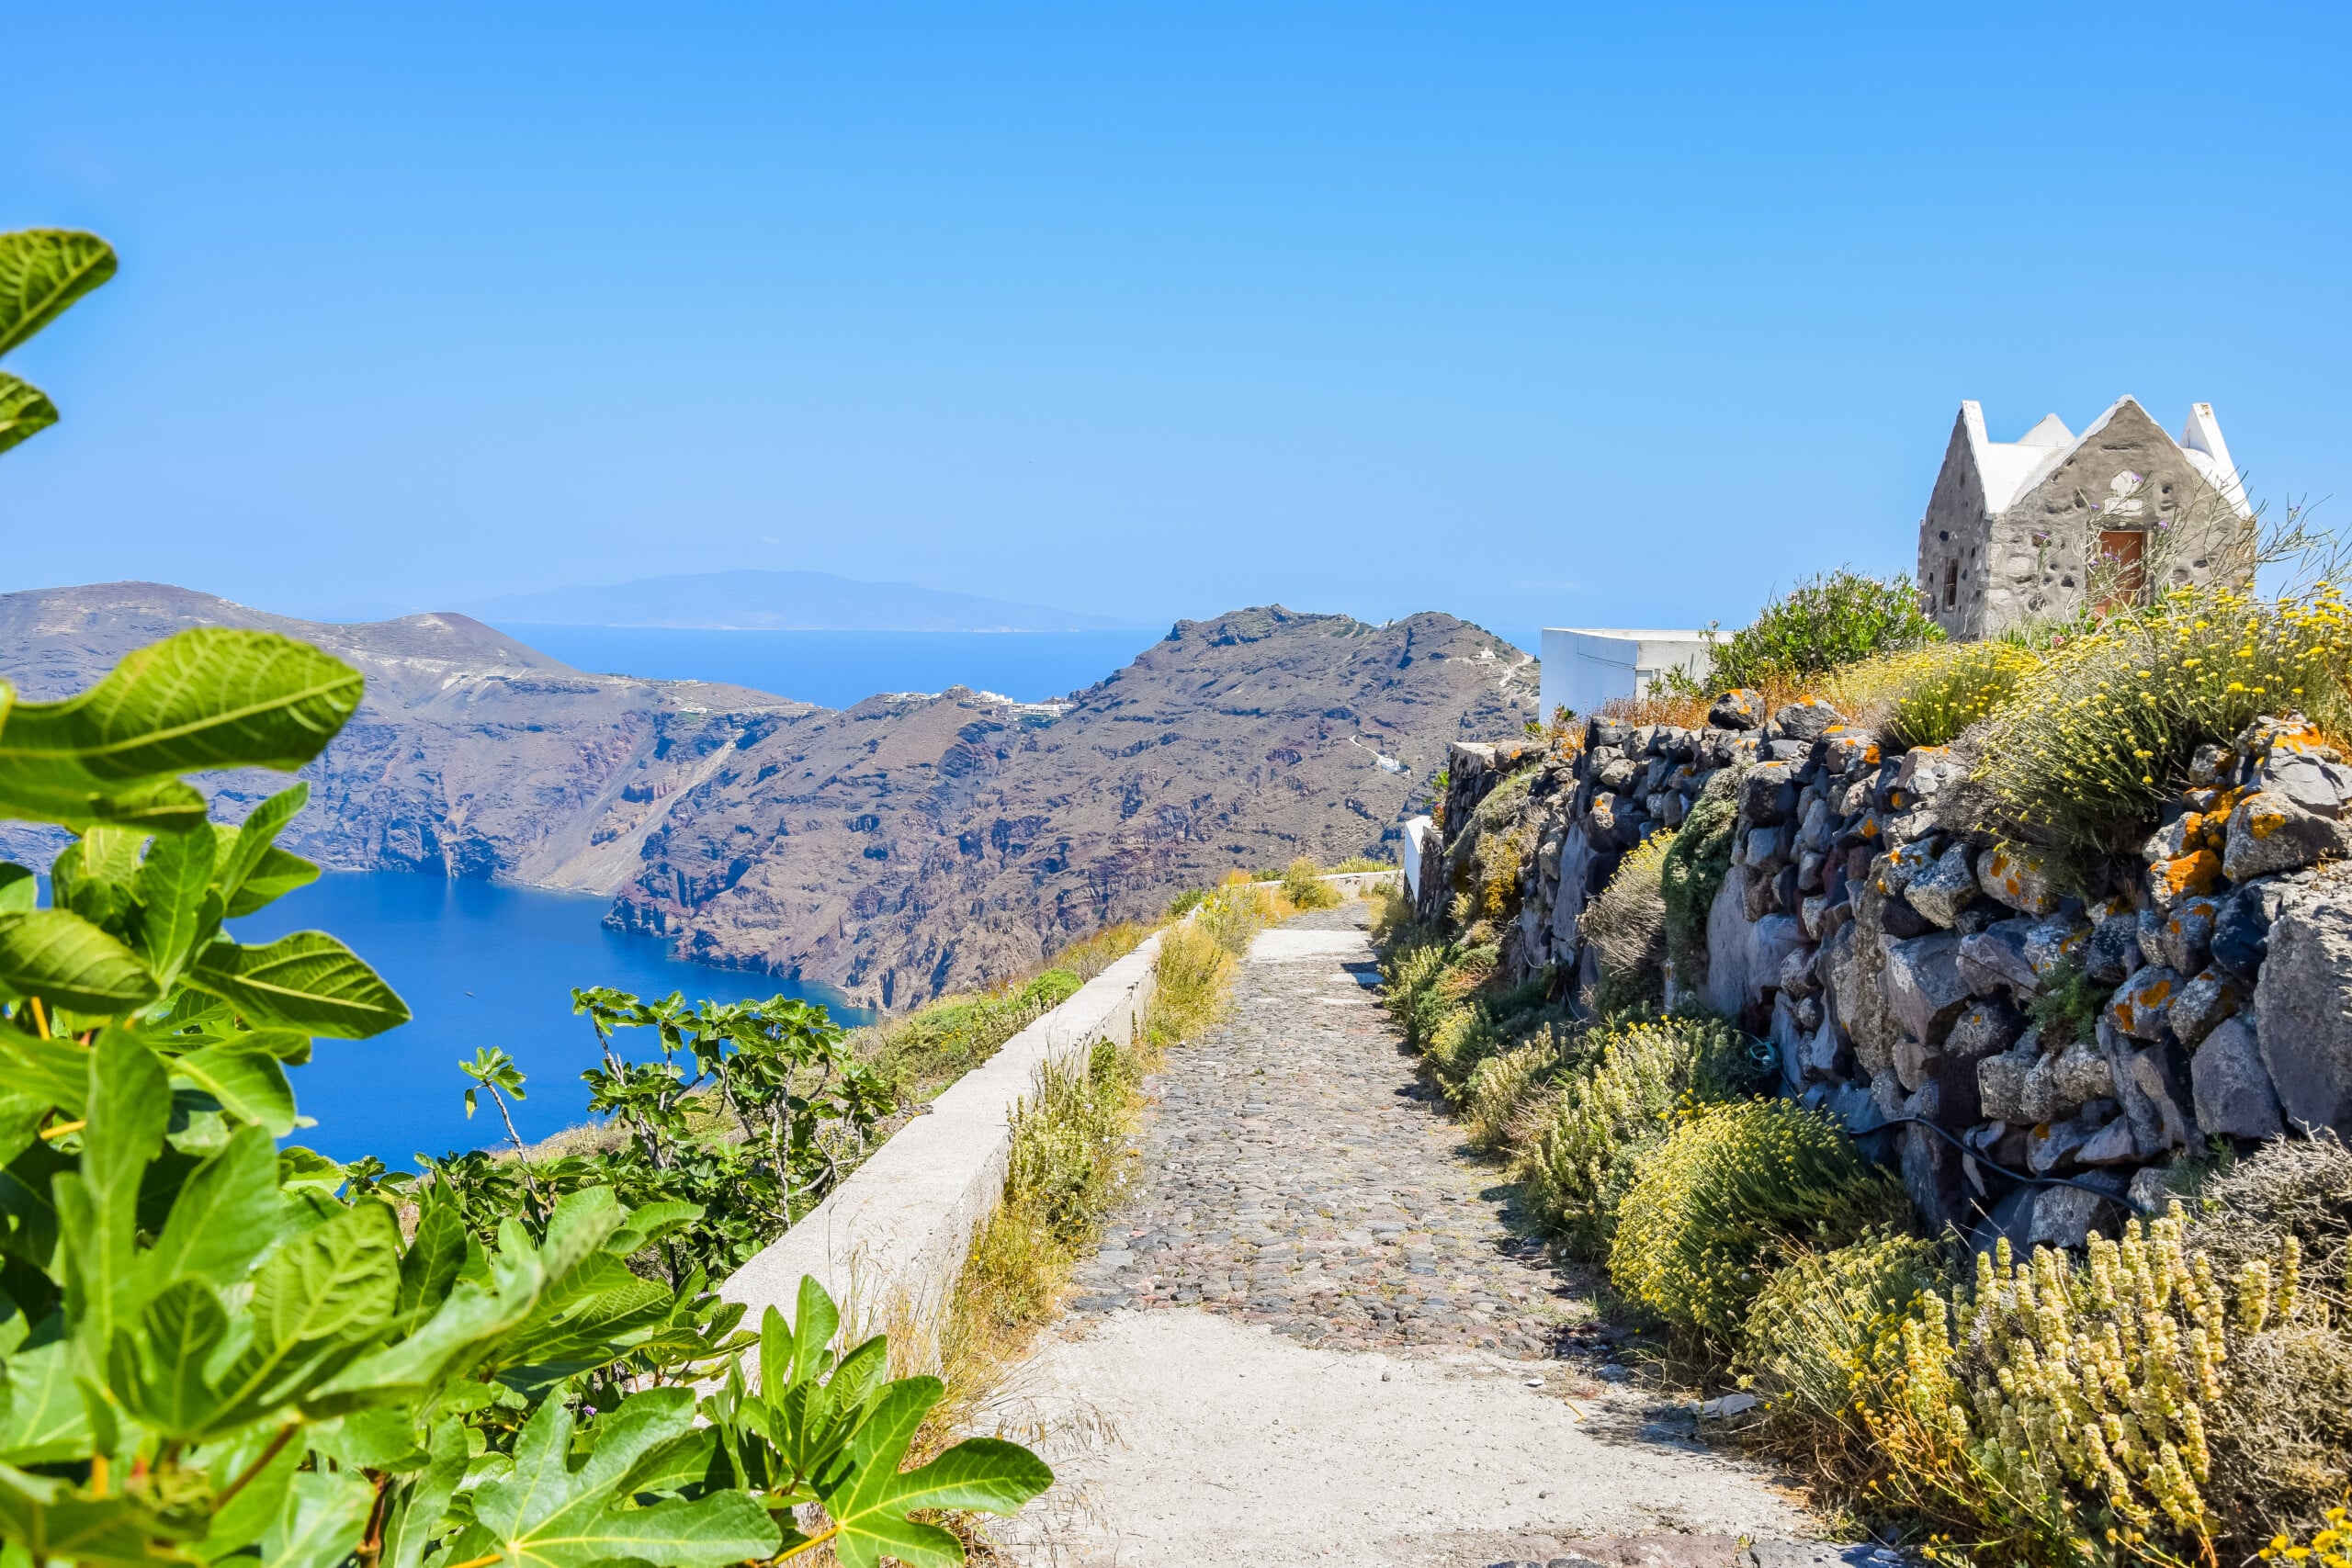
x=2181 y=937
x=2000 y=1082
x=1617 y=774
x=2139 y=1005
x=1843 y=750
x=2322 y=788
x=1944 y=888
x=2189 y=875
x=1736 y=710
x=1796 y=974
x=2064 y=1216
x=2231 y=1087
x=1806 y=720
x=1893 y=870
x=1983 y=1027
x=2052 y=944
x=1766 y=847
x=2112 y=951
x=1853 y=963
x=2055 y=1144
x=2112 y=1145
x=1924 y=989
x=2242 y=928
x=1997 y=958
x=2270 y=832
x=1767 y=794
x=2303 y=1003
x=1925 y=771
x=2207 y=997
x=1743 y=956
x=2018 y=877
x=1933 y=1177
x=2066 y=1081
x=2151 y=1096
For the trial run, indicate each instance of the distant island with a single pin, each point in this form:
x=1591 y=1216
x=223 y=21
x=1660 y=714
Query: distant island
x=781 y=601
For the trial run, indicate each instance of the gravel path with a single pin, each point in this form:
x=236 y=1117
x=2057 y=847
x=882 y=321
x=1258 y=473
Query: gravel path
x=1316 y=1335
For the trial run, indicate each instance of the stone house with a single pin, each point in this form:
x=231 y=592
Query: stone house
x=2034 y=528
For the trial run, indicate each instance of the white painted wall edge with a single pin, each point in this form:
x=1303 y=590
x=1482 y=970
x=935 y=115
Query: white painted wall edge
x=891 y=1240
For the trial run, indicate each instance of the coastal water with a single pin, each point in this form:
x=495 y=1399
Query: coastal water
x=835 y=670
x=479 y=963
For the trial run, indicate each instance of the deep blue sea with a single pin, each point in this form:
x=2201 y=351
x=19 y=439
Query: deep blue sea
x=479 y=963
x=837 y=669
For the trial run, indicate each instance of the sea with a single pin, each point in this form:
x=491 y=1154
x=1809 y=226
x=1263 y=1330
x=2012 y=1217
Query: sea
x=836 y=670
x=486 y=964
x=479 y=963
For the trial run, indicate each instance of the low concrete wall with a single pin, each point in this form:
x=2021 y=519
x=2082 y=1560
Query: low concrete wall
x=892 y=1238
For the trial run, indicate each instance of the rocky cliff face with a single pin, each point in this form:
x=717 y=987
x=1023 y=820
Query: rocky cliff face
x=905 y=846
x=472 y=755
x=911 y=846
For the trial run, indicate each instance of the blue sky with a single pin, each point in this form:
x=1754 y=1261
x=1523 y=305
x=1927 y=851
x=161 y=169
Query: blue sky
x=1582 y=315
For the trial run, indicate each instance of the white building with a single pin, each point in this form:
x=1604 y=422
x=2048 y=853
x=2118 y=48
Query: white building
x=1584 y=667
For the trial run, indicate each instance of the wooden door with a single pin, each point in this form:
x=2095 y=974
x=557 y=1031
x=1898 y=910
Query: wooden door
x=2121 y=552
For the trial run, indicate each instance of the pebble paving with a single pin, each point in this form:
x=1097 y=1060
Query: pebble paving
x=1295 y=1173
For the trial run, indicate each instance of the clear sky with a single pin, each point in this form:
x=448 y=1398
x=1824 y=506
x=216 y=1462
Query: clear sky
x=1544 y=313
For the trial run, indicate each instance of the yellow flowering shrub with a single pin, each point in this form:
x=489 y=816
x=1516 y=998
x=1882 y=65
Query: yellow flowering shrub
x=1948 y=688
x=1808 y=1346
x=1712 y=1205
x=2329 y=1547
x=2102 y=731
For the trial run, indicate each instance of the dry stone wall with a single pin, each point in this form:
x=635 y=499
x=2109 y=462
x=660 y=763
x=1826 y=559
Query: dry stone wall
x=1898 y=959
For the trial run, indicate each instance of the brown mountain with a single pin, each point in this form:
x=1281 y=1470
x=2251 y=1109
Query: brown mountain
x=897 y=849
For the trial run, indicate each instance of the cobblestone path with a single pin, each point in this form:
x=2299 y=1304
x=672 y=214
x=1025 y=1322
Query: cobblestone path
x=1314 y=1335
x=1297 y=1175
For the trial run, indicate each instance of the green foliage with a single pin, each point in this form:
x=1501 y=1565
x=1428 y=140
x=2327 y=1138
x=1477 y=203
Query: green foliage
x=2102 y=732
x=1580 y=1146
x=1949 y=686
x=1835 y=618
x=1069 y=1142
x=941 y=1042
x=2066 y=1008
x=43 y=271
x=216 y=1349
x=1691 y=875
x=829 y=1430
x=1625 y=923
x=1711 y=1204
x=1303 y=886
x=1807 y=1346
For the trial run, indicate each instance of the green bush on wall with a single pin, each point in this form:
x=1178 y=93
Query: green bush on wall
x=1834 y=618
x=1710 y=1206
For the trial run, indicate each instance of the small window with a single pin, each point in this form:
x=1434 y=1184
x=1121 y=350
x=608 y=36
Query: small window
x=1952 y=584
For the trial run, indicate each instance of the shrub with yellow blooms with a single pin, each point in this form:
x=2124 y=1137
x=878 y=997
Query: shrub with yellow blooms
x=2096 y=738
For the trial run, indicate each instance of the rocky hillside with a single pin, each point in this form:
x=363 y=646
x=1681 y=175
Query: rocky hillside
x=906 y=847
x=472 y=755
x=902 y=847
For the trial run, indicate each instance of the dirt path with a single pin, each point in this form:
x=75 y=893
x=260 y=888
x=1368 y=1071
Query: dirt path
x=1315 y=1337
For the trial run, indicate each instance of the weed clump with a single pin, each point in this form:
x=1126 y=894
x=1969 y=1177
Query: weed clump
x=1303 y=884
x=1692 y=873
x=1711 y=1203
x=1626 y=923
x=1944 y=688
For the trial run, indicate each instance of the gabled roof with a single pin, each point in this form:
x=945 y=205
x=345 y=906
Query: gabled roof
x=2007 y=469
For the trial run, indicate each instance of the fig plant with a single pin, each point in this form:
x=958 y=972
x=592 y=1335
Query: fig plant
x=217 y=1350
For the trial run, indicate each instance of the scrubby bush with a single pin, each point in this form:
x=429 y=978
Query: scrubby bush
x=2102 y=732
x=1303 y=884
x=1577 y=1145
x=1835 y=618
x=1944 y=688
x=1692 y=874
x=1808 y=1347
x=1088 y=956
x=1625 y=923
x=1502 y=1087
x=948 y=1039
x=1711 y=1204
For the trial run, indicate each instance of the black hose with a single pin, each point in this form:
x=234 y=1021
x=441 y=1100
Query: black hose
x=2116 y=1198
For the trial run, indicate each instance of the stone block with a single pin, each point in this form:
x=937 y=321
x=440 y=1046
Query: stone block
x=1923 y=774
x=1736 y=710
x=2303 y=1003
x=2064 y=1216
x=2269 y=832
x=1894 y=869
x=1617 y=774
x=1767 y=794
x=2191 y=876
x=2151 y=1097
x=2053 y=944
x=1796 y=976
x=1941 y=890
x=1924 y=989
x=1853 y=963
x=2018 y=877
x=2207 y=997
x=2112 y=951
x=2000 y=1083
x=2322 y=788
x=2230 y=1086
x=1984 y=1027
x=2112 y=1145
x=2139 y=1005
x=1744 y=956
x=1806 y=720
x=2052 y=1146
x=1997 y=958
x=1766 y=847
x=1843 y=750
x=2183 y=936
x=1933 y=1177
x=2242 y=928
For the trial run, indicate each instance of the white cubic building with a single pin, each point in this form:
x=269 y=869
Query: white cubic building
x=1584 y=667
